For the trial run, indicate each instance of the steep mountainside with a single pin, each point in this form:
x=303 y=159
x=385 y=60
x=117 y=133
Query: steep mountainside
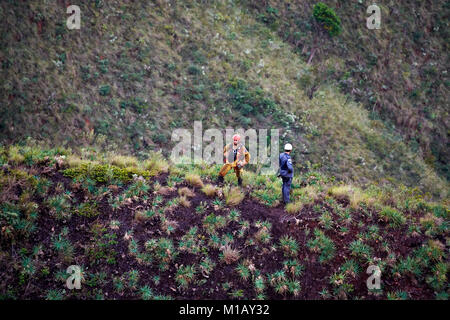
x=137 y=70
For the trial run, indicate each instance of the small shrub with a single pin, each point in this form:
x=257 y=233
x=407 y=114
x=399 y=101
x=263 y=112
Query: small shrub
x=104 y=90
x=327 y=18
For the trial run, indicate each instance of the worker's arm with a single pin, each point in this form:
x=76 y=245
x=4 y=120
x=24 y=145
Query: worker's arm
x=289 y=165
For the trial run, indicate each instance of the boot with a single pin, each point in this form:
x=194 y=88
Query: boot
x=239 y=181
x=220 y=179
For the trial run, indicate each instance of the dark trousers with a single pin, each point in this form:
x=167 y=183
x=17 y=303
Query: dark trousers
x=286 y=188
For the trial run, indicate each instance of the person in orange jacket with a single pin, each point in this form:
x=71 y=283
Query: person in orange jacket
x=235 y=156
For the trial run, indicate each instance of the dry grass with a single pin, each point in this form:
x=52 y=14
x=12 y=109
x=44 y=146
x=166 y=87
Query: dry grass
x=233 y=196
x=184 y=201
x=164 y=191
x=123 y=161
x=169 y=226
x=156 y=164
x=351 y=194
x=186 y=192
x=194 y=180
x=75 y=161
x=140 y=216
x=294 y=207
x=209 y=190
x=230 y=255
x=309 y=193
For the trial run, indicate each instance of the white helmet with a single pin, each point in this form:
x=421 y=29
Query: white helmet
x=288 y=147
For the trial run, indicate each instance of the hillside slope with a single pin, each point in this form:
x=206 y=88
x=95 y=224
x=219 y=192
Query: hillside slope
x=399 y=72
x=151 y=230
x=136 y=71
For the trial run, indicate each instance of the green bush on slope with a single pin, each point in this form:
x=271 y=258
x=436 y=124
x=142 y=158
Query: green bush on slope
x=327 y=18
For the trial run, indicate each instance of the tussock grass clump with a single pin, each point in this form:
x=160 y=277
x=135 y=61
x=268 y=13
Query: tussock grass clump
x=229 y=255
x=164 y=191
x=184 y=201
x=213 y=222
x=361 y=250
x=62 y=245
x=143 y=215
x=137 y=189
x=209 y=190
x=289 y=245
x=263 y=235
x=168 y=226
x=433 y=225
x=186 y=192
x=233 y=196
x=308 y=194
x=123 y=161
x=323 y=245
x=269 y=193
x=73 y=161
x=156 y=164
x=162 y=250
x=194 y=180
x=351 y=194
x=294 y=207
x=185 y=275
x=60 y=206
x=394 y=217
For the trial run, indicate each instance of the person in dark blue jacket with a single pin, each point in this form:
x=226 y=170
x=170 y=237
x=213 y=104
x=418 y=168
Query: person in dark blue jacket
x=286 y=171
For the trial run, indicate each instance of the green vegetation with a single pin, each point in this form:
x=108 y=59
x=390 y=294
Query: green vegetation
x=104 y=173
x=105 y=95
x=223 y=228
x=327 y=18
x=323 y=245
x=81 y=181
